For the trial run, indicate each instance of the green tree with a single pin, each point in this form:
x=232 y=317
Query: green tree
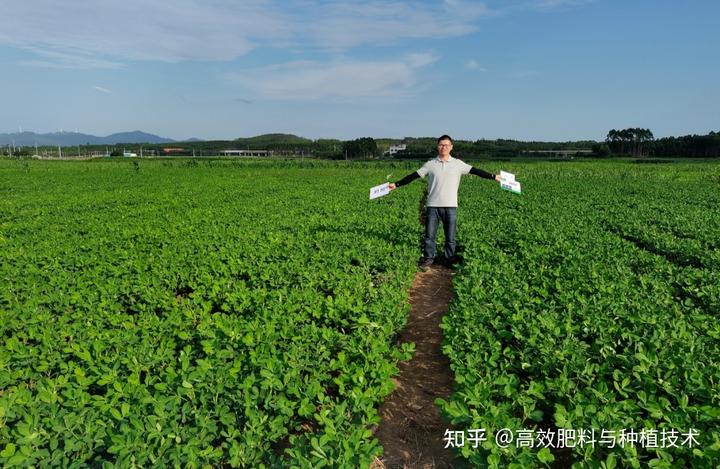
x=601 y=149
x=634 y=141
x=365 y=147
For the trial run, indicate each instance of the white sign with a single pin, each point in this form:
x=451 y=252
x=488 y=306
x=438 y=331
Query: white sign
x=512 y=186
x=379 y=191
x=505 y=176
x=508 y=182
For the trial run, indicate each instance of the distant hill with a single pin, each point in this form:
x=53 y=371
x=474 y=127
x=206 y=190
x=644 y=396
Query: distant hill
x=77 y=138
x=135 y=137
x=273 y=139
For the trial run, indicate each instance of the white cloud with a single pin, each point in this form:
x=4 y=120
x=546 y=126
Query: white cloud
x=343 y=25
x=422 y=59
x=497 y=8
x=344 y=80
x=51 y=58
x=551 y=4
x=101 y=89
x=76 y=32
x=467 y=10
x=473 y=64
x=105 y=33
x=108 y=33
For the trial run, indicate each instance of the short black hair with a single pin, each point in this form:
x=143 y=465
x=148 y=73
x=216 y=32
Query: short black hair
x=445 y=137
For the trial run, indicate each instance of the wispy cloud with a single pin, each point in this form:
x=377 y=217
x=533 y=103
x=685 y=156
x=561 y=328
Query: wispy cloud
x=343 y=80
x=101 y=89
x=552 y=4
x=341 y=25
x=473 y=64
x=88 y=33
x=510 y=7
x=170 y=31
x=74 y=59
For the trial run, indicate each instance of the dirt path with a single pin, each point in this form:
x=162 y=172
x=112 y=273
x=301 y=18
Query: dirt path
x=411 y=428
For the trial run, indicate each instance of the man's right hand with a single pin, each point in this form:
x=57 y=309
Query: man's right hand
x=392 y=186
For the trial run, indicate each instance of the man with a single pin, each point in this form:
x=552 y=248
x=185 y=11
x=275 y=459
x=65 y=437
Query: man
x=444 y=174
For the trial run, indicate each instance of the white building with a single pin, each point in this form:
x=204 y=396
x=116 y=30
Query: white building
x=396 y=148
x=247 y=152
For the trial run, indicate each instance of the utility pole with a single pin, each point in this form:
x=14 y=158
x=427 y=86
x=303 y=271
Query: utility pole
x=59 y=152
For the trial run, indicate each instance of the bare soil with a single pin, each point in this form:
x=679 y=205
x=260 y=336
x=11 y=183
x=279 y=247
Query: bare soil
x=411 y=429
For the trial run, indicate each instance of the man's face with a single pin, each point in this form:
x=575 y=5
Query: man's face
x=444 y=148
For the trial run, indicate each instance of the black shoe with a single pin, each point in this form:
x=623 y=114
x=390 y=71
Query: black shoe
x=425 y=263
x=453 y=261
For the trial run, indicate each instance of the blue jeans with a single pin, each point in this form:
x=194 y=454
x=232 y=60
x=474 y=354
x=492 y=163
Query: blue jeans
x=448 y=215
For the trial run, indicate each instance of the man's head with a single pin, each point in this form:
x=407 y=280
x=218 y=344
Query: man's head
x=445 y=145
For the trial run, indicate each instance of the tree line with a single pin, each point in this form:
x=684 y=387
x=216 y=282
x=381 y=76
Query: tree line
x=641 y=142
x=635 y=142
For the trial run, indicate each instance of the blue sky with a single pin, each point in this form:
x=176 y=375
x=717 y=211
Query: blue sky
x=222 y=69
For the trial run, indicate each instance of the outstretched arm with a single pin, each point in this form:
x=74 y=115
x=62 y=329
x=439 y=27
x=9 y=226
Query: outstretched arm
x=406 y=180
x=484 y=174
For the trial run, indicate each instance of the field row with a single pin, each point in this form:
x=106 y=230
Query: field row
x=230 y=313
x=581 y=308
x=200 y=314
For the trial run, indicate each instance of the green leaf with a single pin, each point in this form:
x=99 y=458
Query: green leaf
x=536 y=415
x=318 y=450
x=306 y=408
x=545 y=456
x=16 y=460
x=9 y=451
x=610 y=462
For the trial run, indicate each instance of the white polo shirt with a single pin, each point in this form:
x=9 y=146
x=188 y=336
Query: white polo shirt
x=443 y=180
